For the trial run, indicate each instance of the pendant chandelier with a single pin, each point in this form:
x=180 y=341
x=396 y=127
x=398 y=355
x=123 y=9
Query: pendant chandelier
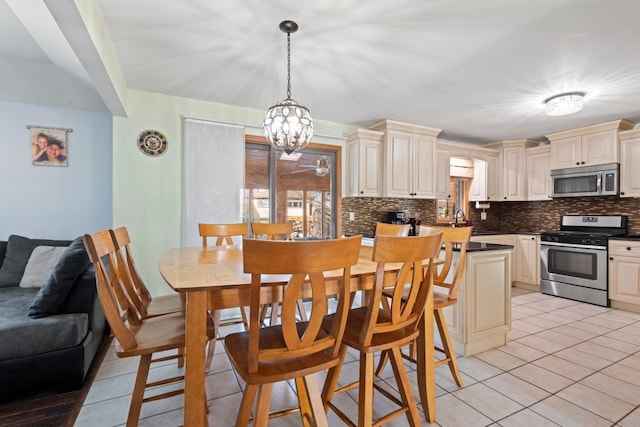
x=288 y=125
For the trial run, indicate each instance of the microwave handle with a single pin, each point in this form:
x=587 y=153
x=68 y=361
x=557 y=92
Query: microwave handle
x=599 y=182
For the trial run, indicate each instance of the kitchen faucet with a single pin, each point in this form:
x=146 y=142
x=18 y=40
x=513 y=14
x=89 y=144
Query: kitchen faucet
x=458 y=212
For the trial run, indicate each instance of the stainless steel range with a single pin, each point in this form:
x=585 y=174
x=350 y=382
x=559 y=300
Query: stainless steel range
x=573 y=261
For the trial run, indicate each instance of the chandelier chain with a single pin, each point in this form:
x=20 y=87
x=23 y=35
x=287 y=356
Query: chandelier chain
x=288 y=64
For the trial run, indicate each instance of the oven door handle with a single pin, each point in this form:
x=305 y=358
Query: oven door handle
x=574 y=246
x=599 y=182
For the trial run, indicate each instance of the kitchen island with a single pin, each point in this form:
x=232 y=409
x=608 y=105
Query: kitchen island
x=482 y=317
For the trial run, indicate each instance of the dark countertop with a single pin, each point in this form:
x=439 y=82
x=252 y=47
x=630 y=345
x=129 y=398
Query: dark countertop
x=479 y=247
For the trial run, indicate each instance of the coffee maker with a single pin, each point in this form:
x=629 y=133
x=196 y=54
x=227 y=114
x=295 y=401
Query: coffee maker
x=397 y=217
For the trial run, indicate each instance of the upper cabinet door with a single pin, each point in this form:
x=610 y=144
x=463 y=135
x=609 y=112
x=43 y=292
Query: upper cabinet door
x=566 y=153
x=600 y=148
x=364 y=164
x=443 y=189
x=399 y=164
x=513 y=174
x=630 y=164
x=538 y=173
x=424 y=161
x=478 y=187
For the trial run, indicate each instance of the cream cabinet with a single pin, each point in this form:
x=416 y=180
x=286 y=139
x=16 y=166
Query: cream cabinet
x=364 y=163
x=629 y=163
x=512 y=166
x=443 y=190
x=527 y=261
x=591 y=145
x=500 y=239
x=478 y=186
x=624 y=271
x=410 y=160
x=538 y=173
x=482 y=317
x=493 y=179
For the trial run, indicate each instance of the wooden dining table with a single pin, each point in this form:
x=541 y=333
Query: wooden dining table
x=212 y=278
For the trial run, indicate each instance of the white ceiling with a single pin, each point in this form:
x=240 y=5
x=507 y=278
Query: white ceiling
x=478 y=70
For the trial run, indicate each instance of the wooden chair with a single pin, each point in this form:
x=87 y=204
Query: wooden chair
x=223 y=234
x=292 y=350
x=134 y=336
x=140 y=296
x=272 y=230
x=275 y=231
x=384 y=229
x=373 y=328
x=451 y=278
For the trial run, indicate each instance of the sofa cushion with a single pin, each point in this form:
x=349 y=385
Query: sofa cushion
x=73 y=261
x=19 y=250
x=21 y=335
x=3 y=250
x=40 y=263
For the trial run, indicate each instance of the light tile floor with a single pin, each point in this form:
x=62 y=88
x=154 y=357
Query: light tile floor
x=565 y=363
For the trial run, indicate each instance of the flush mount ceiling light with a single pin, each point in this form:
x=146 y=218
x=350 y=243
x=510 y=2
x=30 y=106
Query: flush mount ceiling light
x=288 y=125
x=565 y=103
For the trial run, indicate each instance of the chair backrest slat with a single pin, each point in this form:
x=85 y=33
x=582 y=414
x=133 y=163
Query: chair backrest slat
x=222 y=232
x=301 y=264
x=272 y=230
x=138 y=292
x=118 y=308
x=384 y=229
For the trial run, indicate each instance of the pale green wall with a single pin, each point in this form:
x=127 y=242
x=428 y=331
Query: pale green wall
x=147 y=191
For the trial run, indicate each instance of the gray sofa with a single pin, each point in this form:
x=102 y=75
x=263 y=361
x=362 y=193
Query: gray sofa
x=49 y=335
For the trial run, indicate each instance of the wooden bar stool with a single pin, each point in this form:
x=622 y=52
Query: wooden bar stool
x=135 y=336
x=291 y=350
x=446 y=276
x=373 y=328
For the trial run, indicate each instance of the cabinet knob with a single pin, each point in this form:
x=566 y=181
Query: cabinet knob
x=578 y=163
x=610 y=258
x=622 y=193
x=582 y=163
x=361 y=192
x=628 y=248
x=505 y=197
x=533 y=238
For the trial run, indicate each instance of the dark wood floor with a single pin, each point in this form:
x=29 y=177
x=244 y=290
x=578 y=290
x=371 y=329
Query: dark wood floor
x=60 y=410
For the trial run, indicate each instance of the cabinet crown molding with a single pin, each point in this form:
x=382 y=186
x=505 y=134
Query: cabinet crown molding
x=629 y=134
x=365 y=134
x=386 y=124
x=620 y=125
x=524 y=143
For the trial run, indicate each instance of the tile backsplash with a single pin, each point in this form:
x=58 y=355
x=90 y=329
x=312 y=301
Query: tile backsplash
x=508 y=217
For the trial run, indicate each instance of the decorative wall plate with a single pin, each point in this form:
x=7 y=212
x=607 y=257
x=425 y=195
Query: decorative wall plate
x=152 y=143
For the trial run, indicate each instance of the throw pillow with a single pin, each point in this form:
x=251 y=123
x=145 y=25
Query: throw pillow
x=56 y=287
x=40 y=263
x=19 y=250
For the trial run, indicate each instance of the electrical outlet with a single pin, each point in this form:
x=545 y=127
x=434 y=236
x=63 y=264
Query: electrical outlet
x=352 y=216
x=483 y=215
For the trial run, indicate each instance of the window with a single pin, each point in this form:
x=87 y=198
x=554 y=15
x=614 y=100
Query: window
x=292 y=188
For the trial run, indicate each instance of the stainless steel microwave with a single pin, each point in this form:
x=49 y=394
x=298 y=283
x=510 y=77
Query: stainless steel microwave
x=584 y=181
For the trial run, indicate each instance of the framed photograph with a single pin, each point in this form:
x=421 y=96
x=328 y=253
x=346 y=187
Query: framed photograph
x=49 y=146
